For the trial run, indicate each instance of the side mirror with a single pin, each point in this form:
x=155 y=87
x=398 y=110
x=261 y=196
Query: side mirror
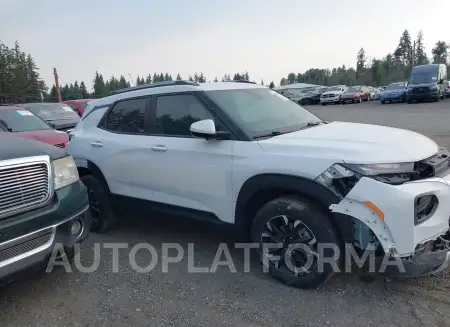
x=206 y=129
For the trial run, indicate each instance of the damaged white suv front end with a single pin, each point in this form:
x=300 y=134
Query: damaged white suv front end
x=404 y=208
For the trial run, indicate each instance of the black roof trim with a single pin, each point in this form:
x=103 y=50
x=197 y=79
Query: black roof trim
x=152 y=85
x=242 y=81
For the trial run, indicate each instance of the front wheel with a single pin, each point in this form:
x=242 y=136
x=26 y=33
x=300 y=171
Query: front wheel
x=383 y=102
x=103 y=218
x=289 y=230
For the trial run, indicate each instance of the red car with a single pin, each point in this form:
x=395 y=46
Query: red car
x=78 y=105
x=24 y=123
x=356 y=94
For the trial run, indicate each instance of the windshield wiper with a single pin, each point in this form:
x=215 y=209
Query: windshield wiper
x=273 y=133
x=313 y=123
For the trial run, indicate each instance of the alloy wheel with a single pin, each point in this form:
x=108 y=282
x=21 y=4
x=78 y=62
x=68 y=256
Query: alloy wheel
x=289 y=246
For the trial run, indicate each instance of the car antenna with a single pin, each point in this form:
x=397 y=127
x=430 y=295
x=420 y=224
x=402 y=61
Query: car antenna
x=132 y=80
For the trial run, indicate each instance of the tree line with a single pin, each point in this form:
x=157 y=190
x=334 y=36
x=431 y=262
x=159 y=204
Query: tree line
x=393 y=67
x=20 y=80
x=101 y=86
x=19 y=76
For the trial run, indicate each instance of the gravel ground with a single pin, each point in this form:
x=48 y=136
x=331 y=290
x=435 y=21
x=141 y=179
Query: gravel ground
x=176 y=298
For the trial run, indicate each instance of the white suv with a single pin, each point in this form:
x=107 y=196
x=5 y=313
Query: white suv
x=243 y=154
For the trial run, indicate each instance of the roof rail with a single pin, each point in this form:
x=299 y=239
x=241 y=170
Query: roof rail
x=242 y=81
x=152 y=85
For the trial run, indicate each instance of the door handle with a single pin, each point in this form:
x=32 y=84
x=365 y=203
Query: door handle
x=97 y=144
x=159 y=148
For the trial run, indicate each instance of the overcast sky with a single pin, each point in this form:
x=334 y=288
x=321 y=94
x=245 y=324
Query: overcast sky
x=269 y=39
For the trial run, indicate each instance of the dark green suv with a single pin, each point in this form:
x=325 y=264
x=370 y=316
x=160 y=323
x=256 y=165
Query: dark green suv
x=42 y=203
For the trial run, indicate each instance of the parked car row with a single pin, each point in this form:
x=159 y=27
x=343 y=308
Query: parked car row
x=333 y=94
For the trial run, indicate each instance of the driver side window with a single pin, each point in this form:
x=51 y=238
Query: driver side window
x=176 y=113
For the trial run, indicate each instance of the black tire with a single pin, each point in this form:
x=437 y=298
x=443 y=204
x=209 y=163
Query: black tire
x=323 y=103
x=408 y=101
x=383 y=102
x=103 y=218
x=313 y=220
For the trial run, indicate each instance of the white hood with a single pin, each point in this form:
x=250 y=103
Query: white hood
x=333 y=92
x=354 y=143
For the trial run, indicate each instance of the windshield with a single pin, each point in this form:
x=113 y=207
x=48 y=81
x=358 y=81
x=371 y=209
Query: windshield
x=395 y=86
x=53 y=112
x=353 y=89
x=260 y=111
x=423 y=78
x=21 y=120
x=333 y=89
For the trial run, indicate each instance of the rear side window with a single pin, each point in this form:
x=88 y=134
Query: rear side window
x=127 y=117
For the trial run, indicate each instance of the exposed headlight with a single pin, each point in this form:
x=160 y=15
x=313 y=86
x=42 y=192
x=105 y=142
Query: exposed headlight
x=381 y=169
x=65 y=172
x=433 y=87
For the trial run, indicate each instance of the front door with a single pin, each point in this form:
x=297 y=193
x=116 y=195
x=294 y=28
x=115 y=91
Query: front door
x=186 y=171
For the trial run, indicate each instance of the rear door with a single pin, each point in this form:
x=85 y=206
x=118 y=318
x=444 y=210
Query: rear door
x=120 y=147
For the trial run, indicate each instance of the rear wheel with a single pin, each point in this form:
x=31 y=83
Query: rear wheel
x=289 y=230
x=103 y=217
x=383 y=102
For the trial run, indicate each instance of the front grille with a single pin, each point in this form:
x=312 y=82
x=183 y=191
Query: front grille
x=23 y=186
x=418 y=90
x=328 y=96
x=22 y=248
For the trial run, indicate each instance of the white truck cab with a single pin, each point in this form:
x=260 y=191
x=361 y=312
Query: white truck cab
x=332 y=95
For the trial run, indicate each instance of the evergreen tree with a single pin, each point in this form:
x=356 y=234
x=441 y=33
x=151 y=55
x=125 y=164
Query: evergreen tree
x=123 y=83
x=420 y=55
x=179 y=77
x=215 y=79
x=99 y=86
x=271 y=85
x=360 y=62
x=440 y=52
x=83 y=91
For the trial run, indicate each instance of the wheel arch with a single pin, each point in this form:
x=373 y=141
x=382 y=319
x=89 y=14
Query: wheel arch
x=260 y=189
x=87 y=167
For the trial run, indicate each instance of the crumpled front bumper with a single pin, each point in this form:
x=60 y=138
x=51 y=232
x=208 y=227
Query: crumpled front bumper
x=421 y=265
x=395 y=229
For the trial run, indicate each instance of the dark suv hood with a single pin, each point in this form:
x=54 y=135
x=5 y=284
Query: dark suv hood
x=12 y=147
